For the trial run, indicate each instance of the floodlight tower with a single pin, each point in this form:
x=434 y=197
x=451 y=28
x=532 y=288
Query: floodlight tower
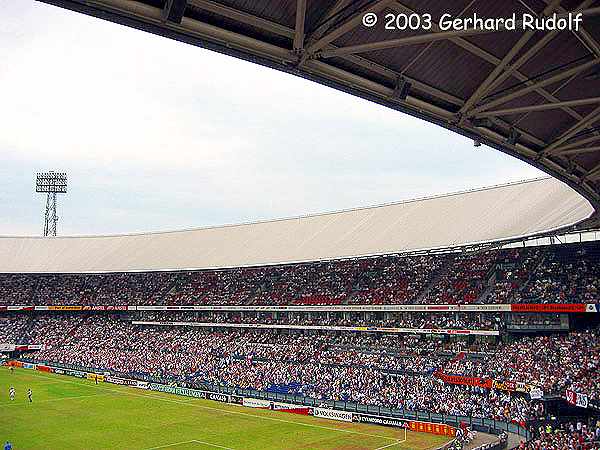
x=51 y=183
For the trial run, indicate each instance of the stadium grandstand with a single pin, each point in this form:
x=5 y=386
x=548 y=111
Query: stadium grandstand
x=472 y=317
x=485 y=329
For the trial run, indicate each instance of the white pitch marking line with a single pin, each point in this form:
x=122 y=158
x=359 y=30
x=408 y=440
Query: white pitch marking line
x=187 y=442
x=212 y=445
x=224 y=411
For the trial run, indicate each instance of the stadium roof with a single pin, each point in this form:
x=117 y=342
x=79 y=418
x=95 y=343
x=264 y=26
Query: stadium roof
x=531 y=94
x=500 y=213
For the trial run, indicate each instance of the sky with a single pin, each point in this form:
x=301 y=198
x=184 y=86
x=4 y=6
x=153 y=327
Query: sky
x=159 y=135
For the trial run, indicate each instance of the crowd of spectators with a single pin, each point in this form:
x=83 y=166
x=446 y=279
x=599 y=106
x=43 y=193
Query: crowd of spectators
x=464 y=280
x=512 y=272
x=382 y=370
x=395 y=371
x=38 y=329
x=552 y=362
x=568 y=436
x=569 y=273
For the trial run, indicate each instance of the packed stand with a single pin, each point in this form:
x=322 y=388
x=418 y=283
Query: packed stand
x=554 y=363
x=464 y=281
x=569 y=436
x=386 y=370
x=569 y=273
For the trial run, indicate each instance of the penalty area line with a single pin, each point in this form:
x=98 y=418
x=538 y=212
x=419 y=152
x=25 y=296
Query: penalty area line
x=398 y=442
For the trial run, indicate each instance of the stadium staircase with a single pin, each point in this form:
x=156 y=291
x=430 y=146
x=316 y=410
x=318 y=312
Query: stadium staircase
x=487 y=291
x=171 y=289
x=434 y=280
x=532 y=273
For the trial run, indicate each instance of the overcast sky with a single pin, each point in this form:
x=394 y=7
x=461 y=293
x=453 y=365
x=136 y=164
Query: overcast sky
x=156 y=134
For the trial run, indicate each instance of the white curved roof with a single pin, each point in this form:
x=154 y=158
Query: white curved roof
x=498 y=213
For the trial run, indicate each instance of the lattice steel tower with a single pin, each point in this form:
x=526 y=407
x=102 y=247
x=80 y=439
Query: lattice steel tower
x=51 y=183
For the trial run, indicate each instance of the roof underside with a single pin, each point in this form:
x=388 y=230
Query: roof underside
x=477 y=217
x=533 y=95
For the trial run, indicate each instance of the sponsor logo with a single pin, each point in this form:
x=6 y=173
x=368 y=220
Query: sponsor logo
x=65 y=308
x=549 y=307
x=386 y=421
x=505 y=385
x=218 y=397
x=256 y=403
x=75 y=373
x=467 y=381
x=237 y=399
x=186 y=392
x=122 y=381
x=333 y=414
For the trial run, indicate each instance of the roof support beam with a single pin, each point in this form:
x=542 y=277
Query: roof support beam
x=402 y=42
x=332 y=12
x=299 y=30
x=523 y=40
x=576 y=144
x=591 y=12
x=489 y=58
x=522 y=60
x=579 y=151
x=583 y=36
x=593 y=174
x=584 y=123
x=174 y=10
x=348 y=25
x=483 y=87
x=535 y=85
x=536 y=108
x=282 y=30
x=242 y=17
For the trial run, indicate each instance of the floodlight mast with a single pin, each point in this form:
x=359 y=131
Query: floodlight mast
x=51 y=183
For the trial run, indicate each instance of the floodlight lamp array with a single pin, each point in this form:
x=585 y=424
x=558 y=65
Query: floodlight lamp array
x=51 y=182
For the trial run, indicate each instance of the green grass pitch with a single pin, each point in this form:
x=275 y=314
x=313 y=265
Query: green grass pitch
x=70 y=413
